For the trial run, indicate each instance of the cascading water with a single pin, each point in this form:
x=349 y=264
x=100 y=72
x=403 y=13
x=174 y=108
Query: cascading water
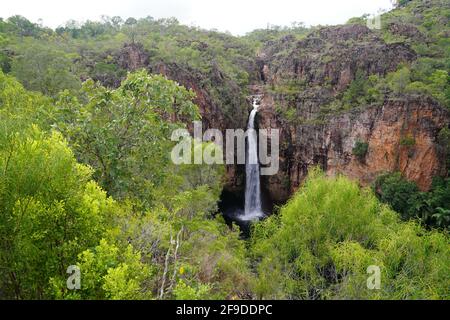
x=253 y=209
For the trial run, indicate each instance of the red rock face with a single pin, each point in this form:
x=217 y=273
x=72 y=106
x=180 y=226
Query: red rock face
x=132 y=57
x=401 y=136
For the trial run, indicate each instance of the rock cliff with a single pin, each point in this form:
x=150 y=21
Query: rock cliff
x=303 y=76
x=399 y=134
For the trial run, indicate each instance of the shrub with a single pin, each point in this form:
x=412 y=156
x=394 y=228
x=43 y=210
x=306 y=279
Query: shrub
x=330 y=232
x=444 y=144
x=50 y=212
x=407 y=141
x=405 y=197
x=360 y=150
x=400 y=193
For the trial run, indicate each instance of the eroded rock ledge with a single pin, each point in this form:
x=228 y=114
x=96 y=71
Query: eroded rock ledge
x=401 y=135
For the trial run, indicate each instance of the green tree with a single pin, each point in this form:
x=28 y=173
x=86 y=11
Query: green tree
x=108 y=272
x=50 y=211
x=330 y=232
x=22 y=26
x=42 y=68
x=360 y=150
x=399 y=80
x=124 y=133
x=356 y=89
x=400 y=193
x=20 y=108
x=5 y=59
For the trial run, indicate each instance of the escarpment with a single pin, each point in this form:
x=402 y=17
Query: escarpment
x=299 y=80
x=398 y=134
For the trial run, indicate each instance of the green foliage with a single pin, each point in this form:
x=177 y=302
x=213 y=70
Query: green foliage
x=20 y=108
x=124 y=133
x=405 y=198
x=399 y=80
x=360 y=150
x=444 y=144
x=184 y=292
x=108 y=272
x=428 y=74
x=400 y=193
x=50 y=211
x=328 y=234
x=401 y=3
x=44 y=69
x=356 y=90
x=22 y=27
x=53 y=215
x=361 y=92
x=274 y=32
x=219 y=62
x=5 y=60
x=420 y=79
x=161 y=238
x=407 y=141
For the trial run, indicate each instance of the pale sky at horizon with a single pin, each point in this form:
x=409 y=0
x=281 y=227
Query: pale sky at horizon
x=235 y=16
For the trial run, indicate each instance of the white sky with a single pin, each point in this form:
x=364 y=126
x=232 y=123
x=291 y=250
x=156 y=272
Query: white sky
x=236 y=16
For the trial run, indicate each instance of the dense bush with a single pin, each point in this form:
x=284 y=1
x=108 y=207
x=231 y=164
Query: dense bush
x=330 y=232
x=45 y=69
x=400 y=193
x=86 y=177
x=360 y=150
x=118 y=131
x=426 y=75
x=431 y=208
x=50 y=212
x=53 y=215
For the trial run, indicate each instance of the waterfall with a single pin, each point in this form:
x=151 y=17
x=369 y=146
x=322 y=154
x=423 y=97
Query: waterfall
x=252 y=186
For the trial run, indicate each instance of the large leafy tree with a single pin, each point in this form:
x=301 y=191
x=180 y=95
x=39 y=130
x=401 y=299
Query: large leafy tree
x=50 y=210
x=54 y=216
x=124 y=133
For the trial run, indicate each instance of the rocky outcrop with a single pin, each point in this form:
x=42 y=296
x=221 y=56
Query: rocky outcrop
x=400 y=135
x=303 y=76
x=330 y=57
x=132 y=57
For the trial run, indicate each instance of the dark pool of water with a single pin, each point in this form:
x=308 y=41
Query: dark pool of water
x=232 y=208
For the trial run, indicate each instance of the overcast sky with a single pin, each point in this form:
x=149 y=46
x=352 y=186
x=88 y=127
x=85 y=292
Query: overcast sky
x=235 y=16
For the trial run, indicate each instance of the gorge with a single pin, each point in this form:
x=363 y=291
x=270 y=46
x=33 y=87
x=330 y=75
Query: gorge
x=304 y=81
x=112 y=139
